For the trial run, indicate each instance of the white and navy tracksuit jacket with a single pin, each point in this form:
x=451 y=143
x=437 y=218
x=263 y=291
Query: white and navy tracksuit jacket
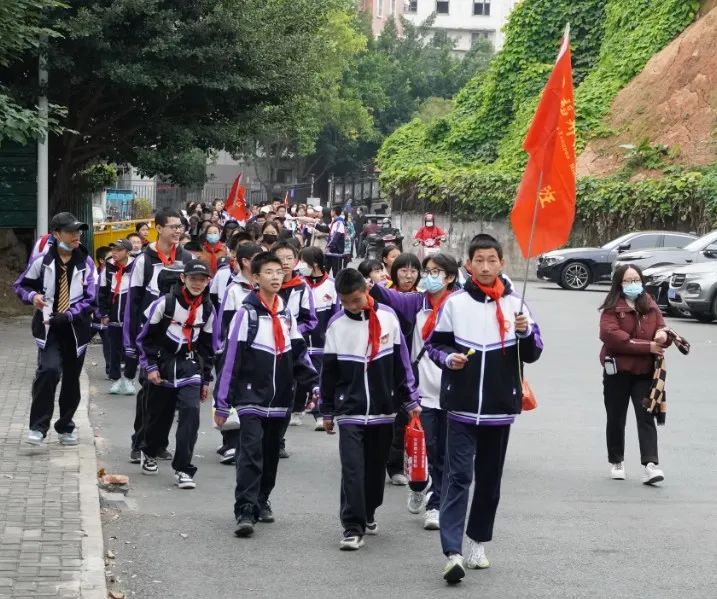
x=487 y=391
x=355 y=390
x=300 y=302
x=162 y=344
x=40 y=277
x=234 y=295
x=220 y=282
x=110 y=307
x=149 y=279
x=326 y=304
x=259 y=379
x=414 y=308
x=337 y=236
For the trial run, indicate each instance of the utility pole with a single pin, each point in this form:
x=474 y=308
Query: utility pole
x=42 y=144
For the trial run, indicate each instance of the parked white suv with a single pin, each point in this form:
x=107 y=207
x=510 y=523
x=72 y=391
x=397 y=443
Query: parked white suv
x=693 y=290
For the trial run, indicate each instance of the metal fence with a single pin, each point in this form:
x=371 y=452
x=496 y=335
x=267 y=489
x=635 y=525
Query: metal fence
x=362 y=190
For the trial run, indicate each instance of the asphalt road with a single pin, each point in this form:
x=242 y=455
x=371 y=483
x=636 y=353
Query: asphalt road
x=563 y=528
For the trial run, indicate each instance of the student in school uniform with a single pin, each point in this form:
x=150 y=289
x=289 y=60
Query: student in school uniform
x=366 y=377
x=263 y=357
x=237 y=290
x=314 y=270
x=175 y=351
x=114 y=287
x=483 y=336
x=154 y=273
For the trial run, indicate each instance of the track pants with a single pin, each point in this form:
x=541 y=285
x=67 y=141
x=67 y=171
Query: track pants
x=161 y=404
x=363 y=450
x=471 y=450
x=58 y=360
x=113 y=335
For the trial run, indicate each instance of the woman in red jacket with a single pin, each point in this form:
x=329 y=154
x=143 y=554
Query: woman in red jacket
x=632 y=332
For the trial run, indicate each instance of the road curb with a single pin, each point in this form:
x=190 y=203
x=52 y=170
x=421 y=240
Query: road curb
x=92 y=584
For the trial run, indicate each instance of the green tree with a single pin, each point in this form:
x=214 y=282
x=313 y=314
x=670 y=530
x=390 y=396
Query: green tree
x=20 y=32
x=168 y=76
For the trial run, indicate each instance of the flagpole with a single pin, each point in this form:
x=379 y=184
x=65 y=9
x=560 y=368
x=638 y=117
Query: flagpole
x=530 y=242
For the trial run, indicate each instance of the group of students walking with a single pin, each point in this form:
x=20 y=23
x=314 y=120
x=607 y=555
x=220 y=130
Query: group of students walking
x=282 y=337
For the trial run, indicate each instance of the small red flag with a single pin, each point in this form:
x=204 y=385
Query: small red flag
x=546 y=196
x=236 y=203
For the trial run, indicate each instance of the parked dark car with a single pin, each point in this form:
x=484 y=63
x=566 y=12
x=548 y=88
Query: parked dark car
x=703 y=249
x=576 y=268
x=657 y=284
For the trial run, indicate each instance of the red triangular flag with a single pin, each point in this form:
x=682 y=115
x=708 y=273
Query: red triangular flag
x=546 y=196
x=236 y=203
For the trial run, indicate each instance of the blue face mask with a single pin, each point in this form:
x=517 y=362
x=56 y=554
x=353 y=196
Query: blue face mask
x=433 y=284
x=632 y=290
x=63 y=246
x=213 y=237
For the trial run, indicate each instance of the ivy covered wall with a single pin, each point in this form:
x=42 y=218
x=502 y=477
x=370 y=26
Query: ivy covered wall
x=474 y=154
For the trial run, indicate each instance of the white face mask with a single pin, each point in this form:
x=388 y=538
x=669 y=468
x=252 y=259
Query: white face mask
x=303 y=269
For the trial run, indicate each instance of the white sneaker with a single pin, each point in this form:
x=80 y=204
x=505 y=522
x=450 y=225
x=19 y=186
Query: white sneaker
x=351 y=543
x=399 y=480
x=652 y=475
x=296 y=419
x=431 y=521
x=454 y=571
x=319 y=424
x=69 y=438
x=35 y=438
x=128 y=387
x=116 y=388
x=372 y=528
x=416 y=501
x=617 y=471
x=184 y=481
x=228 y=457
x=476 y=559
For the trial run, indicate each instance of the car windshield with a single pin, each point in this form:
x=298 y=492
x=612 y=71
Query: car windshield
x=702 y=242
x=615 y=242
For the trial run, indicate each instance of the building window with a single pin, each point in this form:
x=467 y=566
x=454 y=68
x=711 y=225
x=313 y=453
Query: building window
x=392 y=8
x=483 y=34
x=284 y=175
x=442 y=7
x=379 y=8
x=411 y=6
x=481 y=8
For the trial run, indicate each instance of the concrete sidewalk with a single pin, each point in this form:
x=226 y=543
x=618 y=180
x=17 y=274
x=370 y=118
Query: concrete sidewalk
x=51 y=542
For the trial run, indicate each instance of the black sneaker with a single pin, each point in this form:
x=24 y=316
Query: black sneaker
x=135 y=456
x=245 y=526
x=283 y=453
x=265 y=514
x=165 y=454
x=149 y=465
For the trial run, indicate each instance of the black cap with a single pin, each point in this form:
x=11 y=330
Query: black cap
x=123 y=244
x=197 y=267
x=64 y=221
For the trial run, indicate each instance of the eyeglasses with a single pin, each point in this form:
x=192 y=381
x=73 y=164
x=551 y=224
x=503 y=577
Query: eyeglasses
x=433 y=272
x=174 y=227
x=628 y=281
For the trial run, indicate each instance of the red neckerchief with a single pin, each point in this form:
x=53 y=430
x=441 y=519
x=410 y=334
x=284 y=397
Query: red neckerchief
x=374 y=327
x=167 y=260
x=188 y=326
x=275 y=324
x=294 y=282
x=313 y=285
x=213 y=254
x=436 y=306
x=495 y=293
x=118 y=280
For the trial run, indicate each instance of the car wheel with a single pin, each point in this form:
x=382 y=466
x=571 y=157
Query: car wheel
x=703 y=316
x=575 y=276
x=714 y=306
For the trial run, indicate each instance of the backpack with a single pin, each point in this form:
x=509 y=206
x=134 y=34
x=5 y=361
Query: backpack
x=169 y=276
